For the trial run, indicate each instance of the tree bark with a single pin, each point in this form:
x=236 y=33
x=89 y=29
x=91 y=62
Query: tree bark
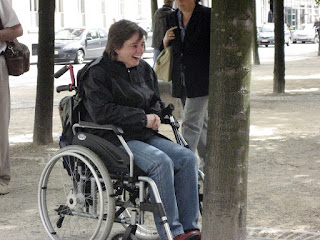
x=318 y=41
x=42 y=132
x=256 y=58
x=154 y=7
x=279 y=57
x=226 y=165
x=318 y=3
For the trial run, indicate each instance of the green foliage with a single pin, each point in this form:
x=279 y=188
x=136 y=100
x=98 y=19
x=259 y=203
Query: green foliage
x=317 y=2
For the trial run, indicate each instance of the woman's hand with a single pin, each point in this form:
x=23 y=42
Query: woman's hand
x=169 y=36
x=153 y=121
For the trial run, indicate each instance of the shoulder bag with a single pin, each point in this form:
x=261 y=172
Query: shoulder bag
x=163 y=64
x=17 y=57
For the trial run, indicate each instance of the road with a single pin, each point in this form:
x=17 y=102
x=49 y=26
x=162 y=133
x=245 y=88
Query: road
x=293 y=52
x=23 y=88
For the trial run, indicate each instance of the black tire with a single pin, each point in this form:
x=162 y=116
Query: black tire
x=79 y=57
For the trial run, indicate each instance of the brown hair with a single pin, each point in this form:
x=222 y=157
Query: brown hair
x=120 y=32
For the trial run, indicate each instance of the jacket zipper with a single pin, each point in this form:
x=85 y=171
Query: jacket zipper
x=129 y=74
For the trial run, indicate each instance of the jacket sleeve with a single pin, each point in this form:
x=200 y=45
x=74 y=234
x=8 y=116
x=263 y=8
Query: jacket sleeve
x=100 y=106
x=156 y=104
x=171 y=21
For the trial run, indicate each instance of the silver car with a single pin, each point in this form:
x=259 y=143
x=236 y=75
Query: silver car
x=306 y=33
x=266 y=35
x=79 y=44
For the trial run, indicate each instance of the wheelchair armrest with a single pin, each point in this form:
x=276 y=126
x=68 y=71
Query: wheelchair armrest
x=109 y=127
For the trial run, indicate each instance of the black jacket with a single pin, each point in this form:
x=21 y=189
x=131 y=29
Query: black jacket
x=120 y=96
x=193 y=53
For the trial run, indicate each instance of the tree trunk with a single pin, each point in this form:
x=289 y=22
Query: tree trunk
x=279 y=57
x=318 y=3
x=318 y=41
x=154 y=7
x=256 y=58
x=226 y=169
x=42 y=132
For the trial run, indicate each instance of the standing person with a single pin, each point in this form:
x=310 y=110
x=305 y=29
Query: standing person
x=316 y=24
x=122 y=89
x=189 y=36
x=159 y=26
x=12 y=29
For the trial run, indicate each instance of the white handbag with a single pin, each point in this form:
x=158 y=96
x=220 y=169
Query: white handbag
x=162 y=66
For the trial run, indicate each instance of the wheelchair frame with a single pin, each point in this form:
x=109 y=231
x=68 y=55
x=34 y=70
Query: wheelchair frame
x=89 y=191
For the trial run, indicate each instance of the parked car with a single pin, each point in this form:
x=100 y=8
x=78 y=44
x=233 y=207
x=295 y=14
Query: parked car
x=79 y=44
x=266 y=35
x=306 y=33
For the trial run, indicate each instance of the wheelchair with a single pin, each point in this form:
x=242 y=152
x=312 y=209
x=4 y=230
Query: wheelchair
x=91 y=184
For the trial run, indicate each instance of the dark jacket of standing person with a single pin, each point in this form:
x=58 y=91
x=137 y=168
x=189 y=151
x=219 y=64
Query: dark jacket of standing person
x=192 y=56
x=159 y=25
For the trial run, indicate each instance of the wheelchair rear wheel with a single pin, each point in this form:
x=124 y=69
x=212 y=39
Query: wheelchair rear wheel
x=75 y=195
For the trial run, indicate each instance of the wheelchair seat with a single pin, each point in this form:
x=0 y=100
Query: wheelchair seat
x=115 y=160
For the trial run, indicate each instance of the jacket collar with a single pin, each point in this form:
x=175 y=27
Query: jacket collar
x=117 y=64
x=193 y=22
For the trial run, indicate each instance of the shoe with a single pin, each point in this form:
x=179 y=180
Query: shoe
x=193 y=235
x=4 y=188
x=195 y=230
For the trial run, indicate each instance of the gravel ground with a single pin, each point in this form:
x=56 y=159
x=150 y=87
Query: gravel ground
x=283 y=182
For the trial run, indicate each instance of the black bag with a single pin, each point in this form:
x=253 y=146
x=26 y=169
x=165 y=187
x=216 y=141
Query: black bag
x=17 y=57
x=70 y=106
x=67 y=117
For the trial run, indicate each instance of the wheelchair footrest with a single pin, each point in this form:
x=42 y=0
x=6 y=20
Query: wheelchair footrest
x=130 y=232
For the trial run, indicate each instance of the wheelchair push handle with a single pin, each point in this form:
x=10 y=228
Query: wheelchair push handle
x=167 y=111
x=61 y=72
x=68 y=87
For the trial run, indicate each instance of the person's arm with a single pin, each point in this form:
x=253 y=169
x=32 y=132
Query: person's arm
x=156 y=105
x=10 y=33
x=170 y=35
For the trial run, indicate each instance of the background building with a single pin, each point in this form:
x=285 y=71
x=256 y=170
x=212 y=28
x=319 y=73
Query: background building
x=296 y=12
x=78 y=13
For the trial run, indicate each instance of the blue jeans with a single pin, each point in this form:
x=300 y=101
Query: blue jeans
x=156 y=52
x=174 y=169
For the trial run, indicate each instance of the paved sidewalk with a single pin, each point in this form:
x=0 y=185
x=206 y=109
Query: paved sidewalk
x=264 y=234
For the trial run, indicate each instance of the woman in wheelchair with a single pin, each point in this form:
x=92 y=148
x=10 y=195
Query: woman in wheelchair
x=122 y=90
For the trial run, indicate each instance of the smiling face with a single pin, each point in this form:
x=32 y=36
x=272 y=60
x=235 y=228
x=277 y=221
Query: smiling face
x=131 y=51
